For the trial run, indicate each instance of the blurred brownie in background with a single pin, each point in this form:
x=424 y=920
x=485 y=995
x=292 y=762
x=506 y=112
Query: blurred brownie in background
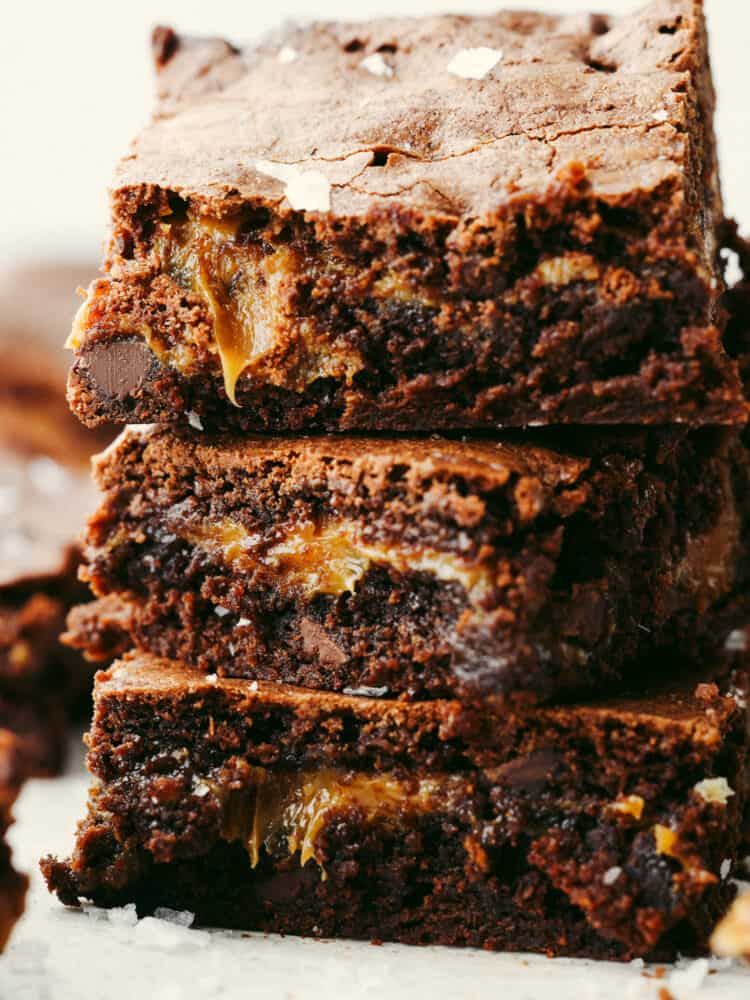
x=44 y=496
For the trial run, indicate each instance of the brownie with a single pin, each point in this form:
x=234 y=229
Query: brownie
x=528 y=567
x=606 y=829
x=44 y=495
x=13 y=886
x=438 y=223
x=42 y=682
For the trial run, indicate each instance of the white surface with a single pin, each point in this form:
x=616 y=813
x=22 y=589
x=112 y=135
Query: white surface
x=58 y=954
x=76 y=85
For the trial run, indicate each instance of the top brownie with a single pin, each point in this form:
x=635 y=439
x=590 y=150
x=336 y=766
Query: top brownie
x=439 y=223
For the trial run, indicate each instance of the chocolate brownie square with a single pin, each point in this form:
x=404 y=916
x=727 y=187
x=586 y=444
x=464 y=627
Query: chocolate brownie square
x=608 y=829
x=436 y=223
x=42 y=682
x=524 y=566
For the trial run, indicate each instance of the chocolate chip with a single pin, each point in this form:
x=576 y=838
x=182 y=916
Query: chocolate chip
x=118 y=367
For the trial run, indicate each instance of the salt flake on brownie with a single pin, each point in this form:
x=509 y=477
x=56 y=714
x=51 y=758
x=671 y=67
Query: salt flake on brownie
x=306 y=190
x=474 y=64
x=377 y=65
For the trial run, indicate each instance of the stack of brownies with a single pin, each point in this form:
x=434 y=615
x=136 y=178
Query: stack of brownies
x=471 y=689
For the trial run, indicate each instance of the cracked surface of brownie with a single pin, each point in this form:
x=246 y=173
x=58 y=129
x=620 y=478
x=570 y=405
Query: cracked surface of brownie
x=599 y=829
x=533 y=243
x=529 y=567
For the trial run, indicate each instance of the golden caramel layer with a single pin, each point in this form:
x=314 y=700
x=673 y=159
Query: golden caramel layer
x=332 y=557
x=288 y=810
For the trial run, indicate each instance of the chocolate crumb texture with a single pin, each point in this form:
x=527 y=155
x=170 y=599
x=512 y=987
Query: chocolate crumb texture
x=529 y=566
x=568 y=830
x=462 y=252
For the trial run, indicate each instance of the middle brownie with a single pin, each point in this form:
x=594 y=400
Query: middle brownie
x=426 y=568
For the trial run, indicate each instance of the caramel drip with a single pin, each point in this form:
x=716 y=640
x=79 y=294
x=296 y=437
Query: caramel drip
x=237 y=283
x=247 y=289
x=237 y=307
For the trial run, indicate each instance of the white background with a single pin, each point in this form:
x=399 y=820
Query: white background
x=75 y=86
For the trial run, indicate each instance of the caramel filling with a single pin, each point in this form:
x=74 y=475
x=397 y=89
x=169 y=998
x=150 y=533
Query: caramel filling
x=243 y=320
x=289 y=811
x=331 y=558
x=245 y=291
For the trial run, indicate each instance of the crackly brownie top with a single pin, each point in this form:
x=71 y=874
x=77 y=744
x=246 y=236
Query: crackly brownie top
x=452 y=115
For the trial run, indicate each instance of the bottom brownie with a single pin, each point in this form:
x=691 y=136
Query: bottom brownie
x=607 y=830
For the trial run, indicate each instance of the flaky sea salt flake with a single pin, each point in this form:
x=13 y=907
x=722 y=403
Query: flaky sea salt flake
x=377 y=65
x=714 y=790
x=474 y=64
x=736 y=641
x=733 y=273
x=194 y=420
x=183 y=918
x=306 y=190
x=611 y=875
x=287 y=55
x=123 y=916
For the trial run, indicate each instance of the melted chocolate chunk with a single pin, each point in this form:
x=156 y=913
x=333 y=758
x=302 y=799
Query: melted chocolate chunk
x=118 y=367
